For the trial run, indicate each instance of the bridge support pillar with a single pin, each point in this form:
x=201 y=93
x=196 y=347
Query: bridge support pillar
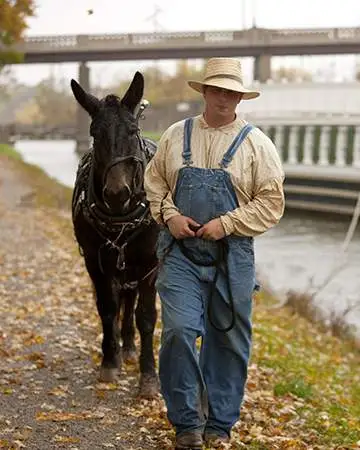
x=83 y=119
x=262 y=68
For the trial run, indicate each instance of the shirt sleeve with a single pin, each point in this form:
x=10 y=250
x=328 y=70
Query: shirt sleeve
x=157 y=189
x=266 y=207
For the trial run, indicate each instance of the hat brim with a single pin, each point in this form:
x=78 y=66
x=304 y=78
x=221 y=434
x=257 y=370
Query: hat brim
x=225 y=83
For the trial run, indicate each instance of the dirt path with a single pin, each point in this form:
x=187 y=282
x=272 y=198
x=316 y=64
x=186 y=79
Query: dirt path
x=50 y=397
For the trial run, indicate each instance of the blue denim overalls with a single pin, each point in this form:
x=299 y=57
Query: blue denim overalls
x=205 y=392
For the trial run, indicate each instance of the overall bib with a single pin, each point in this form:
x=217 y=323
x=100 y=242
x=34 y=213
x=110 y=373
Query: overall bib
x=204 y=390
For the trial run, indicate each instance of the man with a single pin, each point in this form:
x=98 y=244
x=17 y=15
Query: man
x=214 y=183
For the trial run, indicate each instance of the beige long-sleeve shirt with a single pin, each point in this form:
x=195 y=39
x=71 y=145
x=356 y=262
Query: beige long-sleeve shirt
x=255 y=171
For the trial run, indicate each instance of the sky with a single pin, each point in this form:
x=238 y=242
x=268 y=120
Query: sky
x=56 y=17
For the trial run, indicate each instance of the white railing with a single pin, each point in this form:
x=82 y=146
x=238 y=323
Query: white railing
x=316 y=145
x=253 y=36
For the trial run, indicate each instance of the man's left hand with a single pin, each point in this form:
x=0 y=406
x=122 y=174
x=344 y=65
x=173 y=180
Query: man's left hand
x=212 y=230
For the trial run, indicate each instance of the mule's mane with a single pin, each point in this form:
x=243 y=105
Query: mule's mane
x=112 y=100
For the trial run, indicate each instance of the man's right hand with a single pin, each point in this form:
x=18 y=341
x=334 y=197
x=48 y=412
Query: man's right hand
x=179 y=226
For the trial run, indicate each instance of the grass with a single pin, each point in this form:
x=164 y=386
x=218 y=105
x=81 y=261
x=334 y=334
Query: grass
x=317 y=369
x=152 y=135
x=7 y=150
x=297 y=386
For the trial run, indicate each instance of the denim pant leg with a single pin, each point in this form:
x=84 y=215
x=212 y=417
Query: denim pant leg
x=224 y=359
x=182 y=312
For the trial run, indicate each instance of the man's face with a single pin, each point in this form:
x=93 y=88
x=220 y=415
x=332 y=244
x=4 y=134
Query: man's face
x=221 y=101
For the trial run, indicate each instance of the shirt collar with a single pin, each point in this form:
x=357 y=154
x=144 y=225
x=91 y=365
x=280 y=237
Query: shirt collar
x=226 y=129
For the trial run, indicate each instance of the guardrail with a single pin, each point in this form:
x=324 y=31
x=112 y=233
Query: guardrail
x=252 y=37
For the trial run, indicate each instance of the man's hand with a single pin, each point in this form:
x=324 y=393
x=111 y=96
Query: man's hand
x=212 y=230
x=179 y=226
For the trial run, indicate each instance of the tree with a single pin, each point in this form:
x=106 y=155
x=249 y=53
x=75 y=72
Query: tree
x=55 y=105
x=13 y=16
x=162 y=88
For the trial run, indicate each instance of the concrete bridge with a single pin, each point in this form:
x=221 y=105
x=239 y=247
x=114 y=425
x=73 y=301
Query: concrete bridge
x=261 y=43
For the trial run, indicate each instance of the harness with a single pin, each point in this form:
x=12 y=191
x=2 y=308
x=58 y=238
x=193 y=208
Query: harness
x=123 y=228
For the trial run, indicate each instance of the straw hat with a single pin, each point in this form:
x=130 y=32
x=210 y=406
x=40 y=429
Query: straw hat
x=224 y=73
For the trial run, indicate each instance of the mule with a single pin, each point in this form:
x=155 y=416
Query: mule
x=115 y=231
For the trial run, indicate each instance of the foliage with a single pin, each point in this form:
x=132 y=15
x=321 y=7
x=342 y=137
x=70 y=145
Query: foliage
x=13 y=15
x=162 y=88
x=151 y=135
x=55 y=103
x=9 y=151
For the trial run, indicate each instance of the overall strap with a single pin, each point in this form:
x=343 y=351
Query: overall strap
x=235 y=145
x=186 y=154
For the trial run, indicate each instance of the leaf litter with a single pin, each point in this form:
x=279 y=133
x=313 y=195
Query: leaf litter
x=50 y=335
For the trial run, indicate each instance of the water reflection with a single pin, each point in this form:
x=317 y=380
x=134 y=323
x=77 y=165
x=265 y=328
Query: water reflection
x=303 y=250
x=57 y=158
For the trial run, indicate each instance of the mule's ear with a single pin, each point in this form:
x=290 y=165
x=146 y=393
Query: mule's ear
x=135 y=92
x=90 y=103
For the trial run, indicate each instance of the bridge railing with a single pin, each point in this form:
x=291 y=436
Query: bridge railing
x=253 y=36
x=321 y=144
x=318 y=145
x=321 y=34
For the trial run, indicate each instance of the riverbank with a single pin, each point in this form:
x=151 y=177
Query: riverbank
x=303 y=388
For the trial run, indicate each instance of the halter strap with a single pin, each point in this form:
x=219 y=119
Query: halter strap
x=235 y=145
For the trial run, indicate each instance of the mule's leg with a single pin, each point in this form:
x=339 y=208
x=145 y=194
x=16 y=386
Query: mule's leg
x=108 y=307
x=128 y=327
x=145 y=322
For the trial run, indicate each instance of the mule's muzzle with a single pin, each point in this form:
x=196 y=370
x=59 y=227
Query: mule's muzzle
x=117 y=197
x=120 y=183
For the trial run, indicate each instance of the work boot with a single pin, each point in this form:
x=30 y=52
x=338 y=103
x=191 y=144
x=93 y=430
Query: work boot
x=215 y=441
x=189 y=440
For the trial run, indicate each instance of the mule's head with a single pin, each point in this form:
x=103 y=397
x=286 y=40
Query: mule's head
x=118 y=157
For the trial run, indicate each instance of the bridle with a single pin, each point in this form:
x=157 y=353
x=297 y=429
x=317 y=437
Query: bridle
x=98 y=205
x=140 y=162
x=126 y=227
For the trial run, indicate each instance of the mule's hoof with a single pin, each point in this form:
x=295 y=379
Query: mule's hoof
x=129 y=356
x=148 y=386
x=108 y=375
